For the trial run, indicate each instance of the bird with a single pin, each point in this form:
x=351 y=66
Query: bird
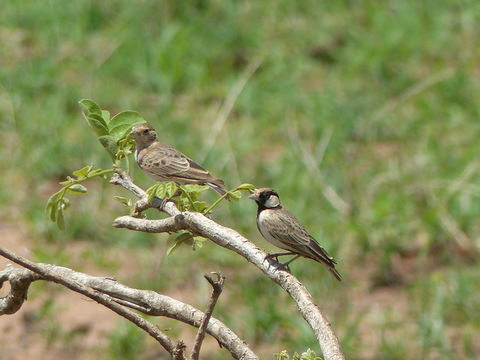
x=165 y=163
x=282 y=229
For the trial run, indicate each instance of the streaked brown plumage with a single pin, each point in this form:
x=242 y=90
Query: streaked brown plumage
x=278 y=226
x=164 y=163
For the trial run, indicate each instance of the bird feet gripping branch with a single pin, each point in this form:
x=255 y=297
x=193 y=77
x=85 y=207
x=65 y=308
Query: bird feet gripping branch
x=280 y=265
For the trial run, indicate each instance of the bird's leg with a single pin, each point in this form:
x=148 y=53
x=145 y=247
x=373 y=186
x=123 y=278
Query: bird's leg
x=283 y=266
x=276 y=255
x=289 y=261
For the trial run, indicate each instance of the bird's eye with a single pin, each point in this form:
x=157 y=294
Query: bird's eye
x=145 y=131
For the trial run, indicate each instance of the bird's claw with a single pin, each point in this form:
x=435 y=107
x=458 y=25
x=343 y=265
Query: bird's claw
x=277 y=264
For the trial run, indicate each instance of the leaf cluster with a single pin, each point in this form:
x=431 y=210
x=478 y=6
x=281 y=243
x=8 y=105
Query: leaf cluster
x=57 y=203
x=306 y=355
x=186 y=198
x=112 y=132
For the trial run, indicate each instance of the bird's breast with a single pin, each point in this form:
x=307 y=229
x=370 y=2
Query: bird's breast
x=267 y=228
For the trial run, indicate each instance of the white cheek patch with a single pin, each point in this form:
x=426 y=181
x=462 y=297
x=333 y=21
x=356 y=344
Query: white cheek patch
x=272 y=201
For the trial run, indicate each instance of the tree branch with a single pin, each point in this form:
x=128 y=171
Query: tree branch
x=58 y=275
x=20 y=280
x=217 y=286
x=123 y=179
x=232 y=240
x=114 y=295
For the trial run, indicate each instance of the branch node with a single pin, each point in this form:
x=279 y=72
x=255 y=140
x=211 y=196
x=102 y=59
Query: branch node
x=217 y=284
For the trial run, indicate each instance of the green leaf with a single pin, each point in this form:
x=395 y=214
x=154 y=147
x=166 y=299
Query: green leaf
x=245 y=187
x=83 y=172
x=198 y=242
x=235 y=195
x=97 y=123
x=172 y=248
x=67 y=182
x=91 y=107
x=94 y=172
x=53 y=199
x=169 y=189
x=106 y=116
x=121 y=123
x=65 y=203
x=110 y=144
x=183 y=203
x=77 y=189
x=120 y=132
x=179 y=240
x=151 y=191
x=195 y=188
x=60 y=219
x=200 y=206
x=123 y=200
x=162 y=190
x=52 y=212
x=282 y=355
x=94 y=117
x=184 y=236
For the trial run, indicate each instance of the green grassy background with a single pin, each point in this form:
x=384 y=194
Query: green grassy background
x=375 y=102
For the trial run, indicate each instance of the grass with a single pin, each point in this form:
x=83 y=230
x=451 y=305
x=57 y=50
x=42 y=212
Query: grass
x=376 y=103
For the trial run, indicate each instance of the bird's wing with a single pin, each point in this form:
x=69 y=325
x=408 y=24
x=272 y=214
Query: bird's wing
x=167 y=162
x=287 y=229
x=164 y=161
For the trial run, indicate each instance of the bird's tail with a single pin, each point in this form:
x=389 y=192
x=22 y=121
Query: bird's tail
x=335 y=273
x=219 y=188
x=321 y=255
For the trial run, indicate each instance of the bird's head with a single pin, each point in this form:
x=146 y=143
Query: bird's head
x=266 y=198
x=143 y=134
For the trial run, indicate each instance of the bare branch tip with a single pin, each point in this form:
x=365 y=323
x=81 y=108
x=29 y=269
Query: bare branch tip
x=217 y=283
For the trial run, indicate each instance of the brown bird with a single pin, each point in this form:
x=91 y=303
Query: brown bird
x=279 y=227
x=164 y=163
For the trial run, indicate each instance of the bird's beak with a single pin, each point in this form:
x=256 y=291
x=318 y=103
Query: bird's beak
x=131 y=132
x=253 y=197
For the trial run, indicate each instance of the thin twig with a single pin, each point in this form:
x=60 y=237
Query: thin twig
x=217 y=288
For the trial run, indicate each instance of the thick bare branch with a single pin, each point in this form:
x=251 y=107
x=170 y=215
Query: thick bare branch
x=166 y=225
x=60 y=275
x=20 y=280
x=217 y=286
x=232 y=240
x=116 y=294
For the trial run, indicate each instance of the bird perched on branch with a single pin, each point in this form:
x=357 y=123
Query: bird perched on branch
x=279 y=227
x=164 y=163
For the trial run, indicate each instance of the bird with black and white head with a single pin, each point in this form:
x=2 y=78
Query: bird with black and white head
x=279 y=227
